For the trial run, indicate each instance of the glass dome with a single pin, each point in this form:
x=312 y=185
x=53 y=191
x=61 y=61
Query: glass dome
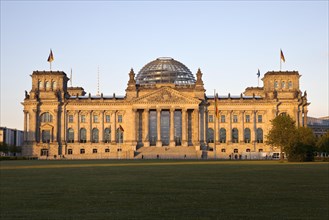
x=165 y=70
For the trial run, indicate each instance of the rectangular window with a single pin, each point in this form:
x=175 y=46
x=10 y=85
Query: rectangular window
x=236 y=151
x=223 y=150
x=69 y=151
x=107 y=150
x=260 y=150
x=247 y=118
x=83 y=118
x=94 y=151
x=107 y=119
x=260 y=118
x=211 y=119
x=235 y=118
x=70 y=118
x=120 y=118
x=222 y=118
x=44 y=152
x=45 y=136
x=82 y=151
x=95 y=118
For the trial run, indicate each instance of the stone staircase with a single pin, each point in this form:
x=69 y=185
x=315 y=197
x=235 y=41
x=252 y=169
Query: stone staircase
x=167 y=153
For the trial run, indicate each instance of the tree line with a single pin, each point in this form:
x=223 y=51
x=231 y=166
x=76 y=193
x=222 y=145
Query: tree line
x=298 y=143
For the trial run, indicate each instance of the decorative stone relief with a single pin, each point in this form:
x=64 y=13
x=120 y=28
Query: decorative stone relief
x=165 y=96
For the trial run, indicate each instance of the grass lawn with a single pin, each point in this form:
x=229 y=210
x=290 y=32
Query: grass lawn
x=156 y=189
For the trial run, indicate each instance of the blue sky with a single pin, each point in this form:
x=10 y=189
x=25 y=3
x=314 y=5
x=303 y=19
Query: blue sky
x=229 y=41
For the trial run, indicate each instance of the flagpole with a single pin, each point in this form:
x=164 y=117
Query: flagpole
x=280 y=60
x=71 y=78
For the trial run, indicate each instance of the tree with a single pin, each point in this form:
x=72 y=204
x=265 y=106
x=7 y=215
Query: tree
x=4 y=147
x=282 y=133
x=323 y=143
x=303 y=145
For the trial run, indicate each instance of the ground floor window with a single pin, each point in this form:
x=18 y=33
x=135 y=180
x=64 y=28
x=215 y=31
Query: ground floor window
x=260 y=150
x=94 y=151
x=107 y=150
x=248 y=150
x=44 y=152
x=223 y=150
x=69 y=151
x=236 y=151
x=82 y=151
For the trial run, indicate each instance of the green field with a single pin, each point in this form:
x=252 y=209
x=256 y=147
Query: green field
x=157 y=189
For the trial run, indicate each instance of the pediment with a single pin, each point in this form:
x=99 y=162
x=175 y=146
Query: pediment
x=166 y=95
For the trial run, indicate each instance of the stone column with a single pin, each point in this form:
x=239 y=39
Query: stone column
x=34 y=125
x=172 y=128
x=25 y=125
x=195 y=128
x=229 y=132
x=62 y=126
x=184 y=127
x=55 y=132
x=133 y=126
x=101 y=132
x=113 y=128
x=77 y=126
x=297 y=115
x=254 y=129
x=89 y=128
x=65 y=127
x=305 y=118
x=205 y=129
x=159 y=142
x=241 y=127
x=146 y=140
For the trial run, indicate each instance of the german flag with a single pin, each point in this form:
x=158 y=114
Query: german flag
x=282 y=56
x=216 y=105
x=50 y=57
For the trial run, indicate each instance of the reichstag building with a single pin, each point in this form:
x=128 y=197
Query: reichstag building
x=165 y=113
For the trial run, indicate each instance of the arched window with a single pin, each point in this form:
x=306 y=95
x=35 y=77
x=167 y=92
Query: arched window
x=48 y=85
x=210 y=135
x=83 y=135
x=70 y=135
x=259 y=135
x=283 y=84
x=222 y=135
x=107 y=135
x=46 y=117
x=290 y=85
x=119 y=136
x=235 y=135
x=246 y=135
x=40 y=84
x=54 y=86
x=95 y=137
x=45 y=136
x=275 y=84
